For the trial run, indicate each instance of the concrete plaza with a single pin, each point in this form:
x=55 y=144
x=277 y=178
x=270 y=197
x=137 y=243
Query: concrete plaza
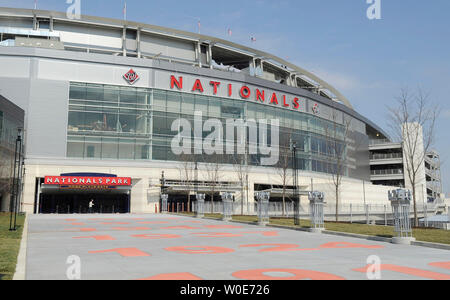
x=128 y=247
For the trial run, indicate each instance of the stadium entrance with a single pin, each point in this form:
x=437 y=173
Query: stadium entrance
x=83 y=193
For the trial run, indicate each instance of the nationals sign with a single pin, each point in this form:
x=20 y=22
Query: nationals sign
x=88 y=181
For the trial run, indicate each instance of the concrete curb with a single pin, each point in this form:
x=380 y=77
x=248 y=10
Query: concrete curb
x=346 y=234
x=431 y=245
x=22 y=257
x=359 y=236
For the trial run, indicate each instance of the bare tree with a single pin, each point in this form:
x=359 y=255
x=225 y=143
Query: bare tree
x=187 y=175
x=284 y=169
x=213 y=175
x=413 y=123
x=242 y=169
x=338 y=138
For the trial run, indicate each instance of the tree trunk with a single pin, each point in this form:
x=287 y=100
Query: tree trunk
x=416 y=219
x=337 y=203
x=242 y=200
x=188 y=202
x=284 y=203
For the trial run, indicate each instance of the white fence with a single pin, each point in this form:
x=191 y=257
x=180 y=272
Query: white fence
x=358 y=213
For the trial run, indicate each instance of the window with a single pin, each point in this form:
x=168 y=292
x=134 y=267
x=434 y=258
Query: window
x=128 y=123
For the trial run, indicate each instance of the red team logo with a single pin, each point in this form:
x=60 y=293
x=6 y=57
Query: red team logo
x=131 y=77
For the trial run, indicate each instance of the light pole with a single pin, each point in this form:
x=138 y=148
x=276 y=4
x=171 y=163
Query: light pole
x=17 y=171
x=293 y=147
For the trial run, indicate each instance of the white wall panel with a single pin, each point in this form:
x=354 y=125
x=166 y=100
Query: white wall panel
x=90 y=72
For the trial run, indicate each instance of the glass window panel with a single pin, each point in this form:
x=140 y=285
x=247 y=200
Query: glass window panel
x=142 y=150
x=143 y=97
x=261 y=114
x=215 y=108
x=188 y=105
x=127 y=121
x=251 y=111
x=159 y=100
x=170 y=119
x=76 y=121
x=159 y=123
x=128 y=97
x=77 y=91
x=173 y=102
x=94 y=92
x=142 y=121
x=75 y=149
x=111 y=94
x=92 y=148
x=110 y=148
x=126 y=148
x=201 y=104
x=159 y=152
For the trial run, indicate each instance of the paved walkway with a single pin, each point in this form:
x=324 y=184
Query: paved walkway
x=172 y=247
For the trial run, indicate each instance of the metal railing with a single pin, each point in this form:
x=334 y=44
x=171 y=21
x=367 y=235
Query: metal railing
x=379 y=142
x=387 y=172
x=379 y=156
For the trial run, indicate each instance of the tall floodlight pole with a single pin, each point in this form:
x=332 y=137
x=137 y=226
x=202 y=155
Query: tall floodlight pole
x=14 y=186
x=19 y=179
x=293 y=147
x=196 y=179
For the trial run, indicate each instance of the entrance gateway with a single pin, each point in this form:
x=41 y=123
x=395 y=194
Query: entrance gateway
x=72 y=194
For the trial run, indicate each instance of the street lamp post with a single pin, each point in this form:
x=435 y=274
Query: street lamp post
x=293 y=147
x=17 y=171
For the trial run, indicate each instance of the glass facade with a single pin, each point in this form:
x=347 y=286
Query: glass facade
x=126 y=123
x=11 y=119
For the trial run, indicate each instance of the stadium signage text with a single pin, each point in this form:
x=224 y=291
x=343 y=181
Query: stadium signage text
x=87 y=181
x=245 y=92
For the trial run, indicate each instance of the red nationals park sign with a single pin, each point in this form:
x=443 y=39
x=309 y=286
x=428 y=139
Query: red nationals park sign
x=88 y=181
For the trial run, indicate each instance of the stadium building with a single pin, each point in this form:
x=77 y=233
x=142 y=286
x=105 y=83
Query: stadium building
x=101 y=97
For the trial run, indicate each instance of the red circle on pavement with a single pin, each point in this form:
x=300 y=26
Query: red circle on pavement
x=200 y=250
x=297 y=274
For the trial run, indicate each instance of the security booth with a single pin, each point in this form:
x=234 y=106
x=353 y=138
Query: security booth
x=316 y=205
x=401 y=204
x=80 y=193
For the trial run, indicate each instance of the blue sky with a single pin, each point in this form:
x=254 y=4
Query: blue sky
x=369 y=61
